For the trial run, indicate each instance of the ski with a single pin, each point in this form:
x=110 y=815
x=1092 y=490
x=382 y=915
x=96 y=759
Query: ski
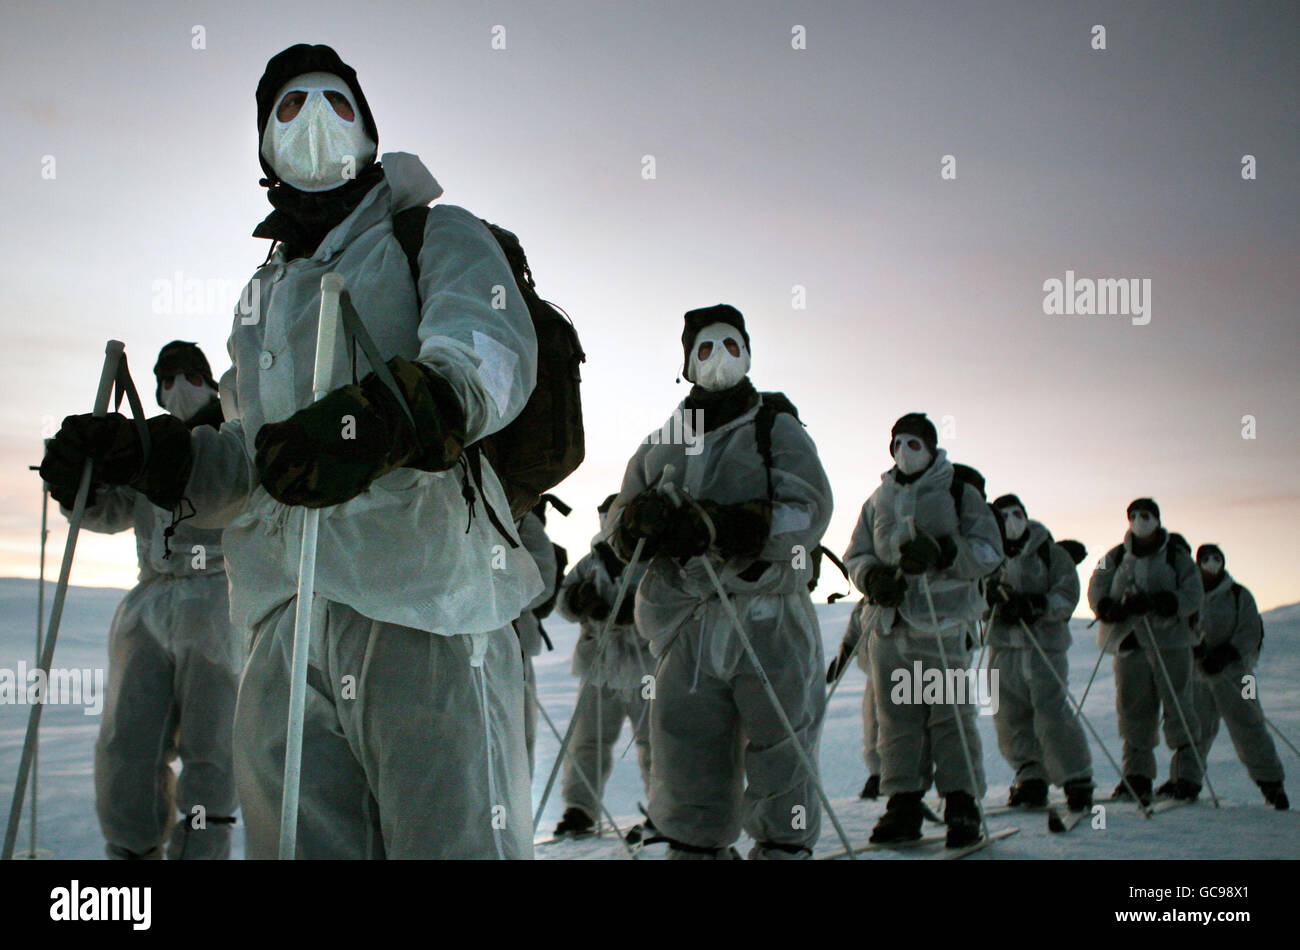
x=955 y=854
x=1165 y=804
x=921 y=842
x=1018 y=809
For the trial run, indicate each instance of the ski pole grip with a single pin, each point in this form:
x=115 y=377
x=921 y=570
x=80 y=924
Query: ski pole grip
x=331 y=288
x=113 y=351
x=669 y=488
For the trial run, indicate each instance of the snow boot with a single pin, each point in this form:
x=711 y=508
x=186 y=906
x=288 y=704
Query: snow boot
x=1031 y=793
x=1179 y=789
x=1078 y=794
x=901 y=820
x=576 y=823
x=681 y=851
x=1141 y=784
x=642 y=830
x=962 y=816
x=871 y=791
x=1274 y=795
x=773 y=851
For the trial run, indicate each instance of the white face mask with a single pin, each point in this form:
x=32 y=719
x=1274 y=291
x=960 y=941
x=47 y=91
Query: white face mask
x=184 y=399
x=1212 y=566
x=910 y=454
x=1143 y=524
x=1015 y=523
x=719 y=359
x=317 y=149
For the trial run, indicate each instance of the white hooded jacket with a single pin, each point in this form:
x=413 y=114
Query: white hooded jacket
x=405 y=550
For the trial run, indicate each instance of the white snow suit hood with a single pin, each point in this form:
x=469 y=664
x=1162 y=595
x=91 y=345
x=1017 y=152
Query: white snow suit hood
x=927 y=502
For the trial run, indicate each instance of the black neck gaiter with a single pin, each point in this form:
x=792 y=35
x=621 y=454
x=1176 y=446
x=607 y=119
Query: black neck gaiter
x=721 y=407
x=301 y=219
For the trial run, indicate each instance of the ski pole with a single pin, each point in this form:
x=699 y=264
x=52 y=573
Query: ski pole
x=857 y=645
x=1280 y=734
x=1078 y=711
x=596 y=792
x=114 y=356
x=601 y=641
x=1191 y=736
x=1096 y=666
x=676 y=498
x=943 y=658
x=40 y=628
x=331 y=287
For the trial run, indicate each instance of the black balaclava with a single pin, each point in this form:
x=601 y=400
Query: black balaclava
x=718 y=406
x=919 y=425
x=1144 y=546
x=302 y=219
x=1001 y=505
x=697 y=320
x=179 y=357
x=1211 y=581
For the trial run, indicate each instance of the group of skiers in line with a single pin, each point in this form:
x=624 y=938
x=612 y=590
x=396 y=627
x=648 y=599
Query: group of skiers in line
x=421 y=709
x=943 y=573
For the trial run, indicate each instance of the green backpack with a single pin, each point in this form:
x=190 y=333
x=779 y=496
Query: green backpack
x=545 y=443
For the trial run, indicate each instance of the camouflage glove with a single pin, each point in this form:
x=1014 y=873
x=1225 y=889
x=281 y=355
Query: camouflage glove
x=318 y=457
x=884 y=587
x=111 y=441
x=1110 y=610
x=1165 y=603
x=1218 y=657
x=627 y=610
x=645 y=516
x=1031 y=607
x=1136 y=603
x=114 y=444
x=686 y=534
x=742 y=528
x=584 y=601
x=919 y=554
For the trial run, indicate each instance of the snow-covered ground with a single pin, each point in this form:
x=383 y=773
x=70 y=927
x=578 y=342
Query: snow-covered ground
x=1242 y=828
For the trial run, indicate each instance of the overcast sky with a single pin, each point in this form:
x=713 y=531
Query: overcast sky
x=132 y=157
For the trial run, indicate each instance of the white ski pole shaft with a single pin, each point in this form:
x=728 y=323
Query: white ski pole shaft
x=1272 y=725
x=331 y=286
x=601 y=641
x=1078 y=711
x=674 y=496
x=952 y=703
x=596 y=791
x=40 y=626
x=112 y=359
x=1191 y=736
x=1095 y=667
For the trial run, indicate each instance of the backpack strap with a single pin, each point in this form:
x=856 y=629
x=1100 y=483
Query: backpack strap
x=1115 y=556
x=770 y=405
x=613 y=566
x=408 y=228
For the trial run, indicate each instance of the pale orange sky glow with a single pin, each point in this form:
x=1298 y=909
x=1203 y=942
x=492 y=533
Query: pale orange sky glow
x=776 y=169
